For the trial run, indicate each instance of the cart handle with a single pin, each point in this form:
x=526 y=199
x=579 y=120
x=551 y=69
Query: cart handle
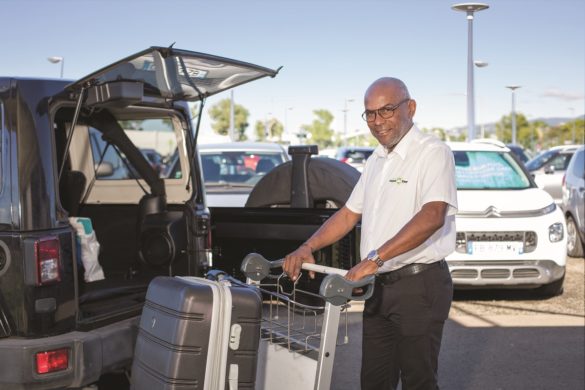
x=334 y=288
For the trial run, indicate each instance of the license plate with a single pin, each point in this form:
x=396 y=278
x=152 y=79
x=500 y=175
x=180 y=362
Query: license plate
x=490 y=247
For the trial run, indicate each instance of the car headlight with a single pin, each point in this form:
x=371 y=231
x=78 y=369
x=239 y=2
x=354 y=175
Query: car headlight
x=556 y=232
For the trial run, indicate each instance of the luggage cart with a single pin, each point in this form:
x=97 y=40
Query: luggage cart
x=298 y=341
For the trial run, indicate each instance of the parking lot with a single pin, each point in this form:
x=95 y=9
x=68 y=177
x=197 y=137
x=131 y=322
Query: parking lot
x=501 y=340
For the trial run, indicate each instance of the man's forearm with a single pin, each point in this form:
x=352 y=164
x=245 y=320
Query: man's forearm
x=333 y=229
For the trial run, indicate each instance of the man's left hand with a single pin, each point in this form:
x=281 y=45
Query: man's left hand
x=361 y=270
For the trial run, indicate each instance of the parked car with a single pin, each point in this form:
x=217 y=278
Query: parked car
x=549 y=167
x=519 y=152
x=64 y=152
x=574 y=203
x=231 y=170
x=355 y=156
x=510 y=233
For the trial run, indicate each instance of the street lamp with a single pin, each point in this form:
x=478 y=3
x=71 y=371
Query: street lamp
x=56 y=60
x=286 y=110
x=469 y=9
x=513 y=88
x=481 y=64
x=345 y=110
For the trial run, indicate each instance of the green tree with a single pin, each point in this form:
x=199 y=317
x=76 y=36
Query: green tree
x=563 y=133
x=270 y=130
x=220 y=115
x=320 y=129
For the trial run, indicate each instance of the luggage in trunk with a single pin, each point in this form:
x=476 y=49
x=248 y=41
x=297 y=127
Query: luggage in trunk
x=197 y=334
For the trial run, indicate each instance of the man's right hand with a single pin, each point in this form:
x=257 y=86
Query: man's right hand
x=294 y=261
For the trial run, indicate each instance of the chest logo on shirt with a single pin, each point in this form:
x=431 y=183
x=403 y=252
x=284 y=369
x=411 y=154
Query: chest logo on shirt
x=399 y=180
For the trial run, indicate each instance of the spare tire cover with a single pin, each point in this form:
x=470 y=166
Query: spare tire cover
x=328 y=179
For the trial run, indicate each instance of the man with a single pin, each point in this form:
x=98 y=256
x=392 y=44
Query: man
x=407 y=200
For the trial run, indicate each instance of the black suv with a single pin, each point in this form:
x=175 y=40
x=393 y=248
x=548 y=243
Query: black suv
x=74 y=150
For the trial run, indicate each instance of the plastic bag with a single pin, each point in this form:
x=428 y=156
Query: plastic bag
x=90 y=248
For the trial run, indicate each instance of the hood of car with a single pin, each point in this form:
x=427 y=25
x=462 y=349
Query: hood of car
x=175 y=74
x=516 y=203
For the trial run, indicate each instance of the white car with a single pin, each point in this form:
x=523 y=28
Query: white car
x=230 y=170
x=510 y=233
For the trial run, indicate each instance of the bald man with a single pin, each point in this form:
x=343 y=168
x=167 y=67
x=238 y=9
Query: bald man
x=406 y=200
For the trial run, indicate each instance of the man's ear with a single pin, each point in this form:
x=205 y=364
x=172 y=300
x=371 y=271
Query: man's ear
x=411 y=107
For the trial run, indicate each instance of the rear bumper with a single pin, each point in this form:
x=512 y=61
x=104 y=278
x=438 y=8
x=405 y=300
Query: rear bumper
x=504 y=273
x=92 y=354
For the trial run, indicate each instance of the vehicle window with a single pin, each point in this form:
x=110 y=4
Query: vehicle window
x=538 y=161
x=238 y=167
x=579 y=164
x=561 y=161
x=155 y=138
x=488 y=171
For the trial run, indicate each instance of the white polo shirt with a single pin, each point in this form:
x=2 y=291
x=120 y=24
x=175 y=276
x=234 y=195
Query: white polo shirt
x=393 y=188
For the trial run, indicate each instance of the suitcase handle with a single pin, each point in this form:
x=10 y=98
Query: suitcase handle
x=334 y=288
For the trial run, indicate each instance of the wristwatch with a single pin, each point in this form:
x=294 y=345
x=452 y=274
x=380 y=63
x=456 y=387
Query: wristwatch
x=375 y=257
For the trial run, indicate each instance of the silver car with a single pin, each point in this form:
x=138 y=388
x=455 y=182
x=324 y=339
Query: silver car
x=574 y=203
x=549 y=167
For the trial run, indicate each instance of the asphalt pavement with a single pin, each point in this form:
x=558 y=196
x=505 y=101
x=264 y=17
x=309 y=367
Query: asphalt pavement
x=497 y=349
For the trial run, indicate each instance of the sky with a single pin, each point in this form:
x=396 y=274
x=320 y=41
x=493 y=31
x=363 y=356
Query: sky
x=330 y=51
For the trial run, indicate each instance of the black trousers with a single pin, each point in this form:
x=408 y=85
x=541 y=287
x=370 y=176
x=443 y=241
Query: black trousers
x=402 y=330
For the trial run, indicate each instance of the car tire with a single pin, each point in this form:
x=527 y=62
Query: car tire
x=574 y=244
x=330 y=183
x=552 y=289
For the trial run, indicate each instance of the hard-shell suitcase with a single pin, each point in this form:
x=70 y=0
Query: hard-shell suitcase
x=197 y=334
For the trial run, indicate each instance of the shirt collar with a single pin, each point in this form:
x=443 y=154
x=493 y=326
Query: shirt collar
x=402 y=148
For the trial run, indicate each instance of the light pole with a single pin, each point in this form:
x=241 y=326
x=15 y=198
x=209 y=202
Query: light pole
x=56 y=60
x=481 y=64
x=469 y=9
x=345 y=110
x=513 y=88
x=286 y=110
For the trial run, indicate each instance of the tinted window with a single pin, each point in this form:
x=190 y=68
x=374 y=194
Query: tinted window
x=155 y=137
x=579 y=164
x=488 y=170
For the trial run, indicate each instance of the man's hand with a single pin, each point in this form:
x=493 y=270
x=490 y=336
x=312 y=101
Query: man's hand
x=361 y=270
x=293 y=262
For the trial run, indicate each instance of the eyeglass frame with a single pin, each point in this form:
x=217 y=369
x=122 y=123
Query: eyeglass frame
x=386 y=107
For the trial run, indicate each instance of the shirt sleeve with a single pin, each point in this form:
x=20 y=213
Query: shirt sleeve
x=438 y=177
x=355 y=202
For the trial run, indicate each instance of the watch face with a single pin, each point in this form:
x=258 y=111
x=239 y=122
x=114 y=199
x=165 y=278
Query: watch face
x=372 y=254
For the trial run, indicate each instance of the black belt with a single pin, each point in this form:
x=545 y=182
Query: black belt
x=408 y=270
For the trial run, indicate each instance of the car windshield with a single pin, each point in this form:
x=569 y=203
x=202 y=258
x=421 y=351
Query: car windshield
x=237 y=168
x=485 y=170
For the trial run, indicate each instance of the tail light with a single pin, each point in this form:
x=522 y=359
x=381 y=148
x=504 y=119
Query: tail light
x=51 y=361
x=344 y=159
x=47 y=256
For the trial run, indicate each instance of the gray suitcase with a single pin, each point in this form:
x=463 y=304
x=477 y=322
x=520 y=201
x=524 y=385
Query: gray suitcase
x=197 y=334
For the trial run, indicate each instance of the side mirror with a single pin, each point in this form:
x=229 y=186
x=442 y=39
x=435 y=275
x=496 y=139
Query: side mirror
x=549 y=169
x=105 y=169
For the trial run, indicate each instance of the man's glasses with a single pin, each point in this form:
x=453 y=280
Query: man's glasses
x=385 y=112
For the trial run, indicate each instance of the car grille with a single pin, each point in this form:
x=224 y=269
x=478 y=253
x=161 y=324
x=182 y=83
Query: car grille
x=501 y=269
x=466 y=240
